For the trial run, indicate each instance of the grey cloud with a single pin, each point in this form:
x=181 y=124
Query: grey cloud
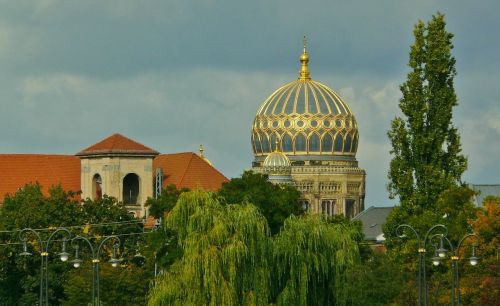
x=179 y=73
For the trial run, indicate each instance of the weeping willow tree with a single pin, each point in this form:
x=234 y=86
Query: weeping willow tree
x=312 y=258
x=225 y=255
x=230 y=258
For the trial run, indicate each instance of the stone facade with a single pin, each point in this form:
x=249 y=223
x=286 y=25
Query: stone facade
x=330 y=187
x=112 y=172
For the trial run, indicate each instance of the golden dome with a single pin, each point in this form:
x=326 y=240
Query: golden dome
x=276 y=160
x=278 y=167
x=306 y=118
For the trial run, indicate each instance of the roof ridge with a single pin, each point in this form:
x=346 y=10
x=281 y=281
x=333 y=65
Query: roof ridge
x=210 y=165
x=117 y=143
x=187 y=167
x=363 y=212
x=37 y=154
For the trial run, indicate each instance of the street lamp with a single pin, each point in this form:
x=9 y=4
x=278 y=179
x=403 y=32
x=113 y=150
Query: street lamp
x=439 y=255
x=473 y=259
x=64 y=255
x=436 y=260
x=95 y=261
x=441 y=251
x=44 y=254
x=77 y=261
x=421 y=277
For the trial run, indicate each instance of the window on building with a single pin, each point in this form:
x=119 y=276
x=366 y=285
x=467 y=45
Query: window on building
x=339 y=143
x=314 y=143
x=328 y=207
x=304 y=204
x=349 y=208
x=265 y=144
x=327 y=145
x=287 y=143
x=256 y=141
x=97 y=187
x=348 y=142
x=300 y=143
x=130 y=189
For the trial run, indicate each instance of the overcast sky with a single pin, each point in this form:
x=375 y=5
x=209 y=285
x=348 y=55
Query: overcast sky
x=174 y=74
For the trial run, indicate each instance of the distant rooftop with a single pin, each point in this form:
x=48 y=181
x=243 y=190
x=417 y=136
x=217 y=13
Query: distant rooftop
x=373 y=218
x=117 y=144
x=484 y=191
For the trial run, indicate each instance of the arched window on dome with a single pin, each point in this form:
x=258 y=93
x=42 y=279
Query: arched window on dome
x=257 y=144
x=300 y=143
x=355 y=143
x=348 y=142
x=327 y=143
x=287 y=143
x=339 y=143
x=314 y=143
x=265 y=144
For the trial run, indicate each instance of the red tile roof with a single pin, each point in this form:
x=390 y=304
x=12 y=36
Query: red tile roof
x=17 y=170
x=117 y=144
x=188 y=170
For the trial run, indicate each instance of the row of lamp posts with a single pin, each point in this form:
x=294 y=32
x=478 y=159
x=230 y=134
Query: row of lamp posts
x=440 y=253
x=64 y=256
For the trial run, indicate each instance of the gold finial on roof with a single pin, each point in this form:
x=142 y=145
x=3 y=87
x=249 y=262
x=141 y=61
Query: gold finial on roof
x=201 y=151
x=203 y=157
x=304 y=61
x=277 y=148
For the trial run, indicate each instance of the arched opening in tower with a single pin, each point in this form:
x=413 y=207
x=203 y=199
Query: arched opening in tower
x=130 y=189
x=97 y=187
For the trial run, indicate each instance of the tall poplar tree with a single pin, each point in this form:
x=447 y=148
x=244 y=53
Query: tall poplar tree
x=426 y=146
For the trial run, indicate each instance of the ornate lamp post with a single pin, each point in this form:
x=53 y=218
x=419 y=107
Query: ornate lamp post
x=439 y=255
x=95 y=261
x=44 y=254
x=473 y=260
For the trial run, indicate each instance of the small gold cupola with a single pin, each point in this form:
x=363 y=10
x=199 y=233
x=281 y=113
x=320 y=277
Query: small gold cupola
x=304 y=61
x=203 y=156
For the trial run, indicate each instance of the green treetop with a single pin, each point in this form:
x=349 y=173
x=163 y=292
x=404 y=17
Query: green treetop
x=426 y=146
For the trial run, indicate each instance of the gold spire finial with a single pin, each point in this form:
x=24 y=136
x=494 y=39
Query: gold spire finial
x=304 y=61
x=277 y=148
x=201 y=151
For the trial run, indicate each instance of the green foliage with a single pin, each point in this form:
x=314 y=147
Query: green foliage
x=276 y=202
x=481 y=284
x=311 y=259
x=29 y=207
x=224 y=260
x=229 y=257
x=426 y=146
x=453 y=209
x=376 y=282
x=124 y=285
x=165 y=202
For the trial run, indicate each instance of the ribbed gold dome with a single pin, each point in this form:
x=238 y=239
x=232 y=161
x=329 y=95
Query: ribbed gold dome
x=276 y=160
x=306 y=118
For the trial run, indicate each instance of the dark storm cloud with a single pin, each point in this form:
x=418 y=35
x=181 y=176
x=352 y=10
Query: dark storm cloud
x=174 y=74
